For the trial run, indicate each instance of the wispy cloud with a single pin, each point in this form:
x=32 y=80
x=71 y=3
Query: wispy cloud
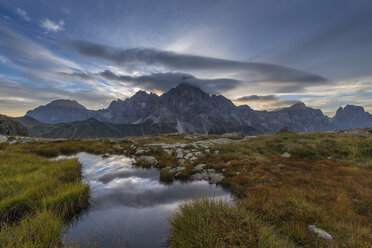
x=165 y=60
x=51 y=26
x=22 y=13
x=165 y=81
x=266 y=102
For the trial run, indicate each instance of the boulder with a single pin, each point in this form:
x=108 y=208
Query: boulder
x=199 y=167
x=286 y=155
x=148 y=160
x=177 y=169
x=188 y=137
x=319 y=232
x=212 y=177
x=3 y=139
x=139 y=151
x=169 y=152
x=215 y=177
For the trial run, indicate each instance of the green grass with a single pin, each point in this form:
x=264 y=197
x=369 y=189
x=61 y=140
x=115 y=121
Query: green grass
x=216 y=224
x=166 y=176
x=37 y=196
x=33 y=231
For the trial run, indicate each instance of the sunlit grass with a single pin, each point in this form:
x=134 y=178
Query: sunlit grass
x=214 y=223
x=37 y=196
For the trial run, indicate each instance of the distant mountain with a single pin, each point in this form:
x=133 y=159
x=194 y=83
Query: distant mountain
x=185 y=109
x=61 y=111
x=298 y=118
x=9 y=126
x=352 y=117
x=90 y=128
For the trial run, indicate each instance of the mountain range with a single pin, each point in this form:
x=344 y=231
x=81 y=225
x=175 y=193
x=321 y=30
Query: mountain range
x=184 y=109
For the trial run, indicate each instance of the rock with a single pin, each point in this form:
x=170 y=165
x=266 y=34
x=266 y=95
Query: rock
x=212 y=177
x=237 y=173
x=234 y=134
x=169 y=152
x=199 y=176
x=319 y=232
x=199 y=167
x=177 y=169
x=329 y=157
x=182 y=160
x=216 y=152
x=207 y=150
x=12 y=142
x=286 y=155
x=215 y=177
x=140 y=151
x=3 y=139
x=211 y=170
x=198 y=154
x=149 y=160
x=189 y=155
x=188 y=137
x=281 y=165
x=223 y=170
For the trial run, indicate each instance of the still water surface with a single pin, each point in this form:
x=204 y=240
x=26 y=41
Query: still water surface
x=130 y=207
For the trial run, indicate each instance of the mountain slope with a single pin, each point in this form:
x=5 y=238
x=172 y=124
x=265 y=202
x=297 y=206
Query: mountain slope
x=90 y=128
x=9 y=126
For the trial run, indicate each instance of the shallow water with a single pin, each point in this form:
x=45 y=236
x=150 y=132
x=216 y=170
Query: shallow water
x=129 y=206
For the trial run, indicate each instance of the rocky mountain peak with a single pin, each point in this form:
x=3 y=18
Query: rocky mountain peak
x=299 y=105
x=188 y=90
x=351 y=109
x=66 y=103
x=352 y=116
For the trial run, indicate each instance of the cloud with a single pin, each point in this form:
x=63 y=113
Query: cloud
x=31 y=58
x=76 y=75
x=51 y=26
x=247 y=71
x=165 y=81
x=257 y=98
x=17 y=97
x=23 y=14
x=266 y=102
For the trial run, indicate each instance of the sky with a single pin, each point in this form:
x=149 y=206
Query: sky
x=268 y=54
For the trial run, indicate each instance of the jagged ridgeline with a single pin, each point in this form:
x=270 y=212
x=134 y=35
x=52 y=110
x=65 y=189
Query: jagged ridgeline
x=185 y=109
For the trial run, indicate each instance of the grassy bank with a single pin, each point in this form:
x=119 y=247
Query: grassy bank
x=326 y=182
x=37 y=196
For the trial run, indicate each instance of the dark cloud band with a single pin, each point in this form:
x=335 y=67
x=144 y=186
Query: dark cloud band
x=186 y=62
x=165 y=81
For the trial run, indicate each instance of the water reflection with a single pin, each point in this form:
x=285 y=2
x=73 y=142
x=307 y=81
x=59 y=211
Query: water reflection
x=129 y=206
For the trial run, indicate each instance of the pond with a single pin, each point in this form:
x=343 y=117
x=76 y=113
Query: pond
x=130 y=207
